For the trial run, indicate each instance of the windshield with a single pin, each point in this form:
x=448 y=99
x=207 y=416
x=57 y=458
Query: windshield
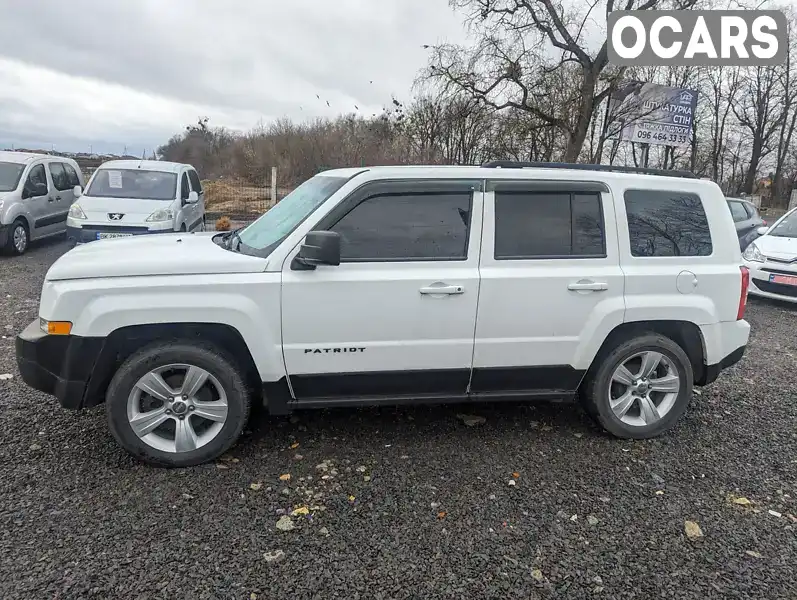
x=9 y=176
x=133 y=183
x=288 y=213
x=787 y=227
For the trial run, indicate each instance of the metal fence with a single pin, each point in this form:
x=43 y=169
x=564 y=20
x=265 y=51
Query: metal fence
x=239 y=199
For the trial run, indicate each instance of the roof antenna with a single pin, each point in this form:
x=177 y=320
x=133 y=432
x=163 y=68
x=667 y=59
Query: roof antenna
x=143 y=156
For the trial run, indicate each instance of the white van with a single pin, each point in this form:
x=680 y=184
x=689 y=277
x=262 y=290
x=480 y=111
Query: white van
x=35 y=193
x=131 y=197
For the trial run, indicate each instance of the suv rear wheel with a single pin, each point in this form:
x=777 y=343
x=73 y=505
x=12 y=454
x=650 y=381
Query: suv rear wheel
x=177 y=404
x=640 y=388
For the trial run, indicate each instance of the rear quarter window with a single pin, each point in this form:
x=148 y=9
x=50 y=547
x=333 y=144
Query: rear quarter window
x=667 y=223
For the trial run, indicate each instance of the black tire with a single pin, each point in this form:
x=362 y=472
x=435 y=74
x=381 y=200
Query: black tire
x=207 y=357
x=183 y=228
x=10 y=246
x=595 y=390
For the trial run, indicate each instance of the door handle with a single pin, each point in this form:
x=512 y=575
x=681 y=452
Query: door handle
x=589 y=286
x=449 y=290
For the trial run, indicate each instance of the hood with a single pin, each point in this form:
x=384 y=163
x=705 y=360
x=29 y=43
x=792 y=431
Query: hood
x=100 y=205
x=158 y=254
x=777 y=247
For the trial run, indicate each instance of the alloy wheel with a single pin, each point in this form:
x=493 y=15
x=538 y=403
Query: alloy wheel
x=177 y=408
x=644 y=388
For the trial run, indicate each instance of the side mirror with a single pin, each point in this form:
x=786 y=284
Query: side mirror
x=762 y=230
x=78 y=191
x=193 y=198
x=319 y=248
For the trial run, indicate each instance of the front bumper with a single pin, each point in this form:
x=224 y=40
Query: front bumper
x=59 y=365
x=760 y=284
x=88 y=233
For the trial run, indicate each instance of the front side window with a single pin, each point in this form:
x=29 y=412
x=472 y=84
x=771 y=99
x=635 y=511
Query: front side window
x=534 y=225
x=36 y=183
x=10 y=174
x=406 y=226
x=60 y=178
x=196 y=185
x=184 y=189
x=663 y=223
x=133 y=183
x=278 y=222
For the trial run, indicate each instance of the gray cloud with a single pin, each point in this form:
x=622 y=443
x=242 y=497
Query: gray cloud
x=238 y=61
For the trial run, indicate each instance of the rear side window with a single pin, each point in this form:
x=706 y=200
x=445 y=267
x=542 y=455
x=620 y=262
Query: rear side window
x=532 y=225
x=406 y=227
x=71 y=174
x=196 y=185
x=738 y=211
x=664 y=223
x=60 y=178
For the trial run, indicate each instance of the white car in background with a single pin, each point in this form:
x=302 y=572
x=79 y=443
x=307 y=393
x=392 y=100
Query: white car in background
x=772 y=260
x=36 y=191
x=131 y=197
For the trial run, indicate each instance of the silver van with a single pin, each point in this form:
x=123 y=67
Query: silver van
x=134 y=197
x=36 y=191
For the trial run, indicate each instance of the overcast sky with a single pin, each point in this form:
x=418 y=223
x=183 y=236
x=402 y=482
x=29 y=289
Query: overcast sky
x=112 y=73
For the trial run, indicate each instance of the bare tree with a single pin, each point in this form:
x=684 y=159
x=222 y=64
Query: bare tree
x=757 y=107
x=521 y=43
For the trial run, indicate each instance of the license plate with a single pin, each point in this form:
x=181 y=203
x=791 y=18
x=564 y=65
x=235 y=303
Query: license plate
x=784 y=279
x=105 y=235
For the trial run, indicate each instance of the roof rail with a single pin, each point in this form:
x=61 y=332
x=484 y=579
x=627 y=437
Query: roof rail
x=512 y=164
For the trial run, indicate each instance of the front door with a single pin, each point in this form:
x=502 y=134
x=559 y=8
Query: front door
x=197 y=219
x=395 y=319
x=39 y=199
x=551 y=286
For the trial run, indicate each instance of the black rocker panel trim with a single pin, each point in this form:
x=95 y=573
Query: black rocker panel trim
x=380 y=383
x=551 y=379
x=51 y=220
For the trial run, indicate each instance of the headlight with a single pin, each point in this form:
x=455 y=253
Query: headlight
x=162 y=214
x=1 y=204
x=76 y=212
x=753 y=254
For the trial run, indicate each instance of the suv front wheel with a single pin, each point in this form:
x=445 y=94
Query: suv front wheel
x=177 y=404
x=640 y=388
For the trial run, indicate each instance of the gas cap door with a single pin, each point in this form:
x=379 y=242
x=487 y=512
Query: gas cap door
x=686 y=282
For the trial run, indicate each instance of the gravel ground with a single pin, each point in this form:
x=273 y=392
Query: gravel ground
x=408 y=503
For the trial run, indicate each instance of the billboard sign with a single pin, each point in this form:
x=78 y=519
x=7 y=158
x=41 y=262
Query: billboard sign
x=651 y=113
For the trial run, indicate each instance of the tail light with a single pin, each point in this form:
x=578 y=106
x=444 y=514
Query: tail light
x=764 y=223
x=743 y=297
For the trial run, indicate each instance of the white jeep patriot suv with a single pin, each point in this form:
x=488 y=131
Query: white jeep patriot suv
x=402 y=285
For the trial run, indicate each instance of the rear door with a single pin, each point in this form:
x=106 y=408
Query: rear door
x=62 y=194
x=395 y=319
x=551 y=284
